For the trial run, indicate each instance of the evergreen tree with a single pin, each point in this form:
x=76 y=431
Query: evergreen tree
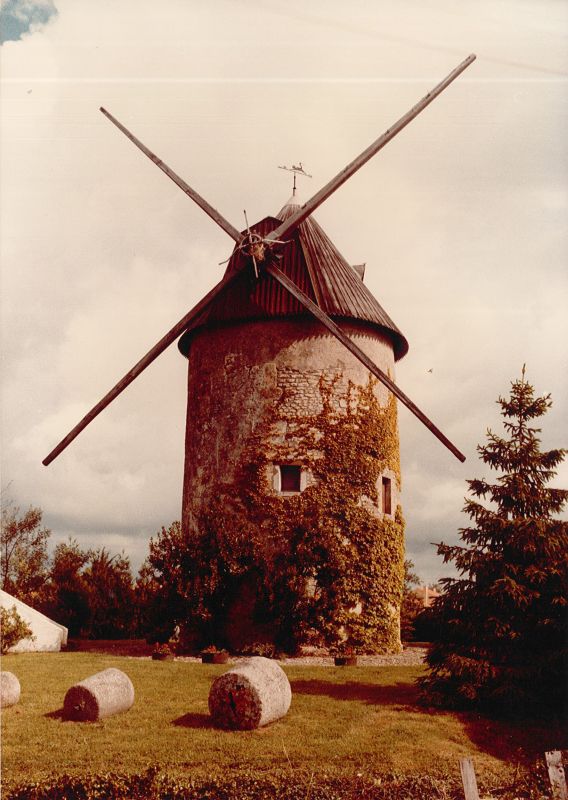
x=500 y=628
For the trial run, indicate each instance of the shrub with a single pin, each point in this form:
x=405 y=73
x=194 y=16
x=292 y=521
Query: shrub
x=14 y=629
x=274 y=786
x=162 y=650
x=266 y=649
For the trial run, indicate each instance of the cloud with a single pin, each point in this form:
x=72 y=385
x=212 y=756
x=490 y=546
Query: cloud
x=21 y=17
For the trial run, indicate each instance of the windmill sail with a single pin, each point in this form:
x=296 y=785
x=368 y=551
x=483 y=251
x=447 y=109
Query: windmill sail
x=273 y=237
x=363 y=358
x=185 y=187
x=334 y=184
x=141 y=365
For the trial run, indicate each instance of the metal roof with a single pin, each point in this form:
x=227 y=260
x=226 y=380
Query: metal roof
x=313 y=262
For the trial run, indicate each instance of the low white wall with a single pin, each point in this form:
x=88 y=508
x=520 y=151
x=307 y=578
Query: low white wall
x=49 y=635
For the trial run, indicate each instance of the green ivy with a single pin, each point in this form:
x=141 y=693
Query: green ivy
x=330 y=536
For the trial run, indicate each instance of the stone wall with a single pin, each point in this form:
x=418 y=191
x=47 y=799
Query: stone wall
x=239 y=377
x=239 y=373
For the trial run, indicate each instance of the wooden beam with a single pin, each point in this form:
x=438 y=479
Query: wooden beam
x=144 y=362
x=469 y=780
x=359 y=354
x=185 y=187
x=556 y=774
x=308 y=208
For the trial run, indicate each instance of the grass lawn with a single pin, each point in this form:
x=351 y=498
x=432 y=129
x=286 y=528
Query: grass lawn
x=342 y=720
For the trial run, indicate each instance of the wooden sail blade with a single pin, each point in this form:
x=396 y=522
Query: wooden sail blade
x=144 y=362
x=185 y=187
x=308 y=208
x=359 y=354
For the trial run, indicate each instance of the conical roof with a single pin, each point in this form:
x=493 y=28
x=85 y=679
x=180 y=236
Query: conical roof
x=317 y=267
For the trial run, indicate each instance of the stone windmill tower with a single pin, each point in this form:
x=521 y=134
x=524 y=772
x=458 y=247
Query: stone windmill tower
x=292 y=478
x=254 y=355
x=260 y=372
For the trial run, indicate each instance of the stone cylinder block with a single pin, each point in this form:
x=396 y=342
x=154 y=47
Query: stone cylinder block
x=9 y=689
x=250 y=695
x=101 y=695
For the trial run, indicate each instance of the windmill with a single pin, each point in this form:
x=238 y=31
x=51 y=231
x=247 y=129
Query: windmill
x=281 y=268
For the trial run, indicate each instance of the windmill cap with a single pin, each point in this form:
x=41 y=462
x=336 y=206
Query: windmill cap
x=315 y=265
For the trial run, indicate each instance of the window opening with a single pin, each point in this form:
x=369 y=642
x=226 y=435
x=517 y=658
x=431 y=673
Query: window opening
x=290 y=478
x=386 y=496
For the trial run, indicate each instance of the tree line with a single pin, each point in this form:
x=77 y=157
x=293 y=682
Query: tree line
x=91 y=592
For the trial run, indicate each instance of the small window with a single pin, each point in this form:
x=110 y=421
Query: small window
x=386 y=496
x=290 y=478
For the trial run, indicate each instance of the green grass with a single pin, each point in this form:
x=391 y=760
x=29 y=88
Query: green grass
x=358 y=719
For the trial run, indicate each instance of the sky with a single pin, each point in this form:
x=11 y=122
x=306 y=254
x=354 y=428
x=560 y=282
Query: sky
x=461 y=220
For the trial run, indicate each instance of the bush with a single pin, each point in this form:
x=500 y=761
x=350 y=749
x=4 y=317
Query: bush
x=14 y=629
x=246 y=787
x=295 y=785
x=266 y=649
x=425 y=626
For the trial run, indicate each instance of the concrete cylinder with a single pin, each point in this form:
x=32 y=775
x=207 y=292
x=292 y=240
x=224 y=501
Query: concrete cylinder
x=252 y=694
x=101 y=695
x=9 y=689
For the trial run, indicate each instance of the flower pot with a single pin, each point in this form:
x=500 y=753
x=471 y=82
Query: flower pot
x=214 y=658
x=345 y=661
x=162 y=657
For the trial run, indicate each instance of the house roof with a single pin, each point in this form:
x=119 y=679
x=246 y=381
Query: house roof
x=317 y=267
x=427 y=594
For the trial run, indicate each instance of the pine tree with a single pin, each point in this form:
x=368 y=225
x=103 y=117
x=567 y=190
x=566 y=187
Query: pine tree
x=501 y=627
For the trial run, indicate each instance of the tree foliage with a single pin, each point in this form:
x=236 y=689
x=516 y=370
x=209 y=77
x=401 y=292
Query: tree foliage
x=322 y=566
x=411 y=605
x=88 y=591
x=160 y=588
x=12 y=629
x=111 y=595
x=24 y=558
x=500 y=628
x=67 y=592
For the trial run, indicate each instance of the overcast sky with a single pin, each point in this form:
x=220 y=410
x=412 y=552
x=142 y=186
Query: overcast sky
x=461 y=221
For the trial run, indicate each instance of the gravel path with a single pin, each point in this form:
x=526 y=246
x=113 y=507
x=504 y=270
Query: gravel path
x=410 y=657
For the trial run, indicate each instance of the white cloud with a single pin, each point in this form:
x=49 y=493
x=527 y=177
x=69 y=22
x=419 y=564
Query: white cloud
x=21 y=18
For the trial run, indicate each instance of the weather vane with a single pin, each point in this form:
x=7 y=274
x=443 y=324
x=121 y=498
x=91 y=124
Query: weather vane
x=297 y=169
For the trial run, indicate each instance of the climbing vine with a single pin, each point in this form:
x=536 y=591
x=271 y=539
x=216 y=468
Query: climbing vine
x=320 y=567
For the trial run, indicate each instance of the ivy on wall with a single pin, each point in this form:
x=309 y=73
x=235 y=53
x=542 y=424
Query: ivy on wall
x=320 y=567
